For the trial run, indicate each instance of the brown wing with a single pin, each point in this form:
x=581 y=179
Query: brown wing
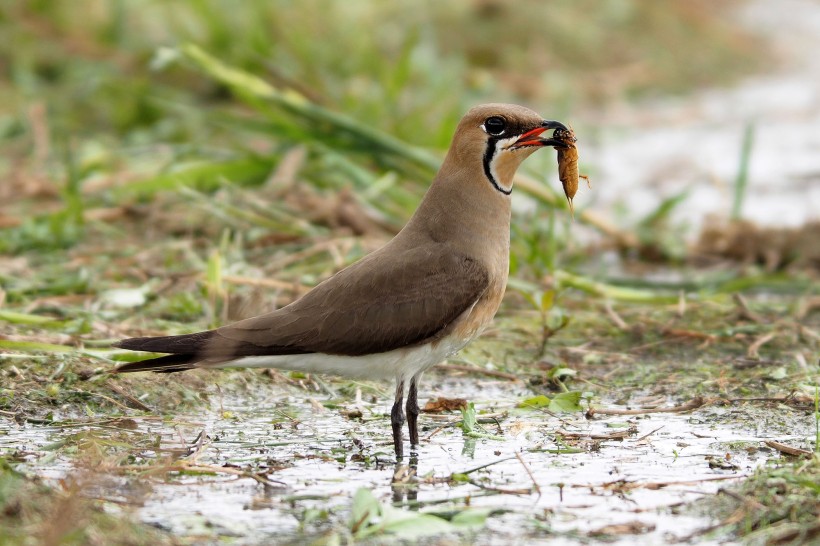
x=376 y=305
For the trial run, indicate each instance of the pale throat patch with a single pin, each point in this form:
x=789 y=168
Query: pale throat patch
x=504 y=163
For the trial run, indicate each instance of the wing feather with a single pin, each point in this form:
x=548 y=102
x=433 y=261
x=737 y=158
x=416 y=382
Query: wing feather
x=383 y=302
x=371 y=307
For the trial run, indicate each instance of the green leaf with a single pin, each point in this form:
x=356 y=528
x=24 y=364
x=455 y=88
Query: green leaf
x=617 y=425
x=24 y=318
x=778 y=373
x=567 y=402
x=662 y=212
x=560 y=372
x=468 y=419
x=368 y=517
x=531 y=298
x=202 y=176
x=365 y=509
x=472 y=517
x=556 y=319
x=564 y=402
x=539 y=401
x=547 y=300
x=412 y=525
x=34 y=347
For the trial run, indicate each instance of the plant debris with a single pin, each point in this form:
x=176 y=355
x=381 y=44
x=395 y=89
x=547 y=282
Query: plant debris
x=440 y=405
x=747 y=243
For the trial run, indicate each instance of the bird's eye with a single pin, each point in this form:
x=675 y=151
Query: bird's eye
x=495 y=125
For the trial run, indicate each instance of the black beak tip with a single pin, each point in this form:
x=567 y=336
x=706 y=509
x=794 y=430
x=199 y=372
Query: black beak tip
x=550 y=124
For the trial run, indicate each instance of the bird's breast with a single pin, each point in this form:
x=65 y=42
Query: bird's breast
x=473 y=321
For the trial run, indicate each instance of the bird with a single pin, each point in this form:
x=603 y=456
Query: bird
x=406 y=306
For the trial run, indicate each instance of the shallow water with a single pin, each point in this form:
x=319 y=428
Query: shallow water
x=317 y=459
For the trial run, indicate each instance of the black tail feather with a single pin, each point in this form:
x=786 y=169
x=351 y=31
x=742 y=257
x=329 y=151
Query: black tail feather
x=186 y=344
x=186 y=350
x=162 y=364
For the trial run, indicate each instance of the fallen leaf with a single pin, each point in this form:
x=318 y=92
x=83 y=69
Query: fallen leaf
x=440 y=405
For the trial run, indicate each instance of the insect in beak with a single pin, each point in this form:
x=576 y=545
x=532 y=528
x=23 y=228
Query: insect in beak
x=534 y=138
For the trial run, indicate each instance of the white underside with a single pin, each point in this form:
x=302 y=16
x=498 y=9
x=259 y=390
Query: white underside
x=401 y=363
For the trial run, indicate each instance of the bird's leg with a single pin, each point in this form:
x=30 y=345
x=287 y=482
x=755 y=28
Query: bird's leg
x=413 y=412
x=397 y=418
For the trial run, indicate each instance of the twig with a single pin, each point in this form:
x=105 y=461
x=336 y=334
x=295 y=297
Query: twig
x=413 y=504
x=554 y=415
x=752 y=351
x=198 y=444
x=104 y=397
x=442 y=427
x=183 y=466
x=745 y=312
x=135 y=401
x=529 y=473
x=677 y=332
x=657 y=485
x=500 y=490
x=221 y=407
x=788 y=450
x=808 y=332
x=618 y=435
x=645 y=436
x=652 y=344
x=746 y=363
x=740 y=498
x=615 y=317
x=791 y=399
x=695 y=403
x=806 y=306
x=486 y=465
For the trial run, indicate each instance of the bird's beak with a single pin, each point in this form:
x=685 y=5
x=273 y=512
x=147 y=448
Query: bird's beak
x=533 y=136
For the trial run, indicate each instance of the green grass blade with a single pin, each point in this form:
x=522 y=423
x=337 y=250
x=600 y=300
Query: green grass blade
x=743 y=171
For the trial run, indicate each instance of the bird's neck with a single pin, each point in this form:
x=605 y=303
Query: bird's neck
x=463 y=208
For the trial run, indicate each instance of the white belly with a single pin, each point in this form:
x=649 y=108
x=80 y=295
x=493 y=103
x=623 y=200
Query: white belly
x=400 y=363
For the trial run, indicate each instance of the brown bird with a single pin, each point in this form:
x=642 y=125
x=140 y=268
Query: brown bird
x=407 y=306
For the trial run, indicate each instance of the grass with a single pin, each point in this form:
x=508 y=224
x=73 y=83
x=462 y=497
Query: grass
x=778 y=505
x=743 y=171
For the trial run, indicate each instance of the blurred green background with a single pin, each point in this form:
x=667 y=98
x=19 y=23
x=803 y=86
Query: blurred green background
x=126 y=124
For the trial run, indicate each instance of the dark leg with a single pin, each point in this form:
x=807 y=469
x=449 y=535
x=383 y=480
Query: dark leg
x=397 y=419
x=413 y=413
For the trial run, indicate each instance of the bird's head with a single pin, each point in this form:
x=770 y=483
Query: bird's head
x=499 y=137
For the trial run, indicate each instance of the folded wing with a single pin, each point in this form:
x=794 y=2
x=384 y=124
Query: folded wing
x=373 y=306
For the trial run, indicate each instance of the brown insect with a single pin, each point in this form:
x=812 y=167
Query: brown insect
x=568 y=164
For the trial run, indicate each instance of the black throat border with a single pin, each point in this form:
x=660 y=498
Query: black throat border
x=489 y=154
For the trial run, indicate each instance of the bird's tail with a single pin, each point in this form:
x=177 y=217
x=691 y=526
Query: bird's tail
x=185 y=351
